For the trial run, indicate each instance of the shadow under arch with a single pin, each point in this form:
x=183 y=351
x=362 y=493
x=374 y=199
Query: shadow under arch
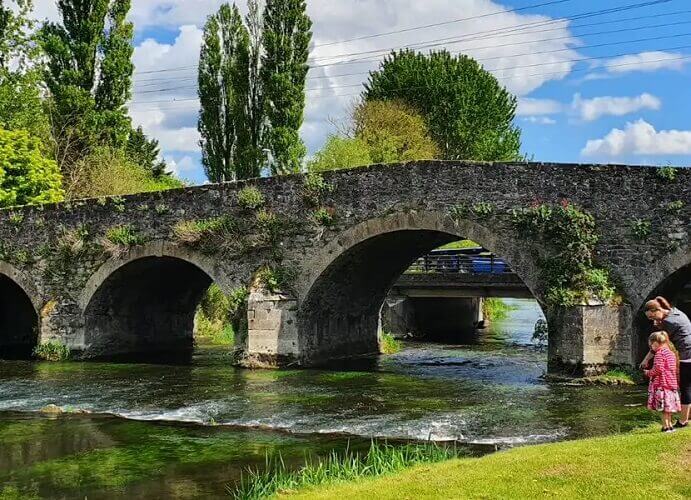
x=346 y=281
x=19 y=318
x=142 y=307
x=673 y=276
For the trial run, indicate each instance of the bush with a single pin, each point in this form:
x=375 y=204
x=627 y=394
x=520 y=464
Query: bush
x=275 y=279
x=389 y=344
x=250 y=198
x=641 y=229
x=495 y=309
x=210 y=236
x=315 y=188
x=324 y=216
x=541 y=332
x=71 y=243
x=340 y=152
x=108 y=172
x=667 y=173
x=26 y=176
x=52 y=351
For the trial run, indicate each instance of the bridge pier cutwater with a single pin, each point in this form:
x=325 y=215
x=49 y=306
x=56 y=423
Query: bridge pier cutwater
x=315 y=289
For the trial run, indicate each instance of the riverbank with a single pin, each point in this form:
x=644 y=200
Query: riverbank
x=642 y=464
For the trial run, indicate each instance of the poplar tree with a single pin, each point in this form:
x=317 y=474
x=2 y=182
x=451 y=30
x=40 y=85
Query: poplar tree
x=223 y=95
x=287 y=32
x=89 y=75
x=252 y=154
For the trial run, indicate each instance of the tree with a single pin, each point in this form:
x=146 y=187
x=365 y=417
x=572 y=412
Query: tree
x=469 y=115
x=145 y=152
x=223 y=94
x=89 y=73
x=21 y=106
x=287 y=34
x=393 y=131
x=340 y=152
x=26 y=176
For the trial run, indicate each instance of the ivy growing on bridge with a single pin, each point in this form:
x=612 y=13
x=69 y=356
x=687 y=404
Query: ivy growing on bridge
x=569 y=237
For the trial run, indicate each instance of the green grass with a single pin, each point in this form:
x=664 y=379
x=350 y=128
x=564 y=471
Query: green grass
x=460 y=245
x=616 y=377
x=496 y=309
x=641 y=465
x=52 y=351
x=380 y=459
x=389 y=345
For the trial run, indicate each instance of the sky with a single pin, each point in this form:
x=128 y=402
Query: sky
x=597 y=82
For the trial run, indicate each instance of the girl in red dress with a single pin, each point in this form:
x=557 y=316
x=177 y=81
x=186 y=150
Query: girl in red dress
x=663 y=390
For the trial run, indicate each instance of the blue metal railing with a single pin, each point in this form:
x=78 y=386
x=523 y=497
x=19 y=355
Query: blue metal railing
x=475 y=261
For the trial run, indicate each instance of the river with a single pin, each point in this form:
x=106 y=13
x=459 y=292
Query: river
x=187 y=431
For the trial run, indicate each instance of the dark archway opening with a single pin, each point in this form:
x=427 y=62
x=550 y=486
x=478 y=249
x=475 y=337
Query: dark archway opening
x=145 y=311
x=340 y=317
x=18 y=321
x=677 y=289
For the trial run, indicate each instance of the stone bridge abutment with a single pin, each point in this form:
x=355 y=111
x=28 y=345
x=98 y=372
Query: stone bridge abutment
x=316 y=257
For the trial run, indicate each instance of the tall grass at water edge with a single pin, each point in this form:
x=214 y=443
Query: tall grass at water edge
x=382 y=458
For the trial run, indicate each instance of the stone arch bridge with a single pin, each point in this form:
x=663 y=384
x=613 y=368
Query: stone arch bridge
x=317 y=256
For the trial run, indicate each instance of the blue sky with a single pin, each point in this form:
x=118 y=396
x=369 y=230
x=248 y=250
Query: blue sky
x=628 y=102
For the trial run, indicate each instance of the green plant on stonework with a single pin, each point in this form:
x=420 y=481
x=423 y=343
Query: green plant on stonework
x=71 y=243
x=22 y=258
x=52 y=351
x=315 y=189
x=210 y=236
x=482 y=209
x=641 y=229
x=324 y=216
x=380 y=459
x=568 y=235
x=118 y=240
x=458 y=212
x=276 y=279
x=270 y=227
x=250 y=198
x=16 y=218
x=389 y=344
x=674 y=207
x=668 y=173
x=118 y=203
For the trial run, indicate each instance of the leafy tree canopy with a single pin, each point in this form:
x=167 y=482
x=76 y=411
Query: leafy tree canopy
x=26 y=176
x=469 y=115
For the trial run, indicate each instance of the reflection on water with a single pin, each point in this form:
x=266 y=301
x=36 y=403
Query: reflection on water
x=490 y=392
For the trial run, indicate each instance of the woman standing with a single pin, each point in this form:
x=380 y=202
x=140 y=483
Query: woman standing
x=678 y=326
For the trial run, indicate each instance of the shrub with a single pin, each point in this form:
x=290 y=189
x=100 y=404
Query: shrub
x=458 y=212
x=641 y=229
x=482 y=209
x=541 y=332
x=210 y=236
x=71 y=243
x=250 y=198
x=26 y=176
x=389 y=344
x=52 y=351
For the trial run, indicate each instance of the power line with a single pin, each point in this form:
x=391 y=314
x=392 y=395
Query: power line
x=434 y=25
x=481 y=60
x=509 y=30
x=472 y=36
x=679 y=58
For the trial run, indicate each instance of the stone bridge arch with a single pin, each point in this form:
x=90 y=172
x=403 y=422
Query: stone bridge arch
x=344 y=282
x=145 y=302
x=19 y=314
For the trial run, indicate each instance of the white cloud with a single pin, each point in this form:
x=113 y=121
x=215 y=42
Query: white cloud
x=182 y=167
x=540 y=120
x=528 y=106
x=646 y=61
x=640 y=138
x=592 y=109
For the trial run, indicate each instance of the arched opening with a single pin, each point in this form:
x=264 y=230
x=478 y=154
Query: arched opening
x=145 y=310
x=677 y=289
x=18 y=321
x=340 y=314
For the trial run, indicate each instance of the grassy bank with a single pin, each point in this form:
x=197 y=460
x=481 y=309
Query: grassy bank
x=496 y=309
x=644 y=464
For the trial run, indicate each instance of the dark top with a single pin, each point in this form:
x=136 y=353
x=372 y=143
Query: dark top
x=678 y=326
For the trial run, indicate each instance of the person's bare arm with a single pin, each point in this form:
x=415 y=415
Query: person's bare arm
x=646 y=361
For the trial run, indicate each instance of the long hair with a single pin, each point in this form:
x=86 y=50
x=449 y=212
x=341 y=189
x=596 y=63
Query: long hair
x=658 y=304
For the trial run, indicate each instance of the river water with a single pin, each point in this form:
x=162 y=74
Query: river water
x=187 y=431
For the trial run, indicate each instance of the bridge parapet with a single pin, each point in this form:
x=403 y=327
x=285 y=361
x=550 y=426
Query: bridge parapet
x=334 y=245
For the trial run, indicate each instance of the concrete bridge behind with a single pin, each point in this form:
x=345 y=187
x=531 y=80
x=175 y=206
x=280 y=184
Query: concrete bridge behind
x=318 y=255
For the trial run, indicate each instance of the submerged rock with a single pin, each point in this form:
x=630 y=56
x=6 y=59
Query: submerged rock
x=51 y=410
